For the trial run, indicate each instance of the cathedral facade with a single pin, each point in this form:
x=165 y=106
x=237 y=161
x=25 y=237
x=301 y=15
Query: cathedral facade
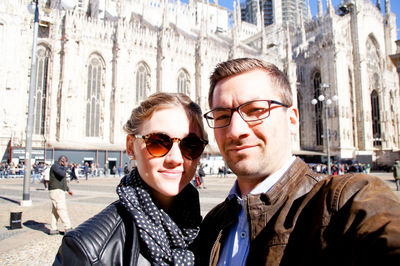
x=98 y=60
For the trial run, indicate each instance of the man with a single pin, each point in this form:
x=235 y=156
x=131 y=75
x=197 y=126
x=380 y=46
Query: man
x=202 y=174
x=279 y=212
x=396 y=174
x=46 y=176
x=57 y=187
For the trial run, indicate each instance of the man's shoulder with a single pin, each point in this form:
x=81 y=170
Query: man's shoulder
x=342 y=188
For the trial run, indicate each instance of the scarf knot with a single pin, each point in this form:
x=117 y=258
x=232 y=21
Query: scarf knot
x=164 y=238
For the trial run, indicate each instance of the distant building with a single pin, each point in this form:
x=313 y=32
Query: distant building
x=99 y=60
x=273 y=11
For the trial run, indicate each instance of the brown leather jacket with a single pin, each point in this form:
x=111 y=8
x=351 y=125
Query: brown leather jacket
x=311 y=219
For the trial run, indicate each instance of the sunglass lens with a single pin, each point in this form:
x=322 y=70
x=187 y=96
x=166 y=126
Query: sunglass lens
x=191 y=147
x=158 y=144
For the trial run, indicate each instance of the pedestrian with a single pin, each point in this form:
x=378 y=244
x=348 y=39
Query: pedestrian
x=119 y=171
x=57 y=188
x=279 y=212
x=220 y=172
x=396 y=174
x=201 y=174
x=126 y=169
x=86 y=170
x=114 y=170
x=36 y=172
x=46 y=176
x=74 y=173
x=224 y=170
x=157 y=215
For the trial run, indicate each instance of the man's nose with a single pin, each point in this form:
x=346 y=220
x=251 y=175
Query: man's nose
x=237 y=127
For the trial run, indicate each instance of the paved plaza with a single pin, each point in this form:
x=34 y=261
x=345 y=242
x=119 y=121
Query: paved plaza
x=31 y=245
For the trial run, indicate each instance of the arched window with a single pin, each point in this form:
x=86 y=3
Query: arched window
x=142 y=79
x=93 y=97
x=376 y=120
x=42 y=67
x=318 y=110
x=183 y=82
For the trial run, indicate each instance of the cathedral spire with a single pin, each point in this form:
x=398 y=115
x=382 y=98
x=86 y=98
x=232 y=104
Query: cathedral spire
x=165 y=14
x=239 y=12
x=319 y=8
x=309 y=15
x=378 y=4
x=303 y=30
x=298 y=13
x=387 y=7
x=258 y=16
x=329 y=7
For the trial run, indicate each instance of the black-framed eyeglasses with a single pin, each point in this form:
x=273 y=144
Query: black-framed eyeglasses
x=250 y=112
x=159 y=144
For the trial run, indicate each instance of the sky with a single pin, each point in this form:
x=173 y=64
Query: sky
x=394 y=7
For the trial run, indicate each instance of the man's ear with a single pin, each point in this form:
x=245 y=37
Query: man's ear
x=129 y=146
x=293 y=120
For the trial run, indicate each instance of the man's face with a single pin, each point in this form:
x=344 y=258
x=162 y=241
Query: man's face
x=258 y=149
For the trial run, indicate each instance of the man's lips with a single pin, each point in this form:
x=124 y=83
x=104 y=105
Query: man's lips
x=240 y=148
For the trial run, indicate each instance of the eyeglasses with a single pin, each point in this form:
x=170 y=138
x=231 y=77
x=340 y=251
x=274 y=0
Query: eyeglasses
x=250 y=112
x=159 y=144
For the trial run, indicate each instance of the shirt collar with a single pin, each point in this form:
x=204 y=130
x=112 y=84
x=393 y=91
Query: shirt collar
x=266 y=184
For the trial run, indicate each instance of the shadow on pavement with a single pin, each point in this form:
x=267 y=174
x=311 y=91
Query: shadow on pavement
x=10 y=200
x=36 y=226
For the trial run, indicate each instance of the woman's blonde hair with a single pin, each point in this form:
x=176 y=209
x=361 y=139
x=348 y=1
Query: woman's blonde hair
x=163 y=100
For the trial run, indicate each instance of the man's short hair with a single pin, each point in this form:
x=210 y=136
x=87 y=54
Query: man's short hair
x=240 y=65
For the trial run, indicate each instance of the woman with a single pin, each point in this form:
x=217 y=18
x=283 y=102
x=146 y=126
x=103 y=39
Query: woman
x=158 y=214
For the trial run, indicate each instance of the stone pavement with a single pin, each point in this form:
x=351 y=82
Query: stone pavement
x=31 y=245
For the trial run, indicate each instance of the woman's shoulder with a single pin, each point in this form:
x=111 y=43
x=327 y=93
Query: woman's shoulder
x=90 y=240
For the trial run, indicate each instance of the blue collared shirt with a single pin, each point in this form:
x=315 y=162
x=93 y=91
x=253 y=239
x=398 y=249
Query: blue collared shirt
x=236 y=246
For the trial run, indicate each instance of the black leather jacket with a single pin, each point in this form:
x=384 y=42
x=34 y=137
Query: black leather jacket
x=109 y=238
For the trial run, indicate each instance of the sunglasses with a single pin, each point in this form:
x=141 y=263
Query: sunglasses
x=159 y=144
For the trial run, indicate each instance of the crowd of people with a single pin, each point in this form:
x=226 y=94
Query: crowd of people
x=341 y=168
x=75 y=171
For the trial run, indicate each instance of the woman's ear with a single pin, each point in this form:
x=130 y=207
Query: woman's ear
x=129 y=146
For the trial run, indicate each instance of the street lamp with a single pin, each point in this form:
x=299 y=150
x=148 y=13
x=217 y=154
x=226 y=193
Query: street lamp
x=26 y=201
x=324 y=98
x=65 y=4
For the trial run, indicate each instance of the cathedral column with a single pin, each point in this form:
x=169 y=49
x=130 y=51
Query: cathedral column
x=63 y=78
x=115 y=92
x=359 y=97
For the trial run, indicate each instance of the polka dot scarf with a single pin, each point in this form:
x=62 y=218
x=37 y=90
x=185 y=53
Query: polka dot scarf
x=164 y=238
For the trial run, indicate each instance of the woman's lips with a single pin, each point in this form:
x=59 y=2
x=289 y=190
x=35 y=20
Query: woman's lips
x=172 y=174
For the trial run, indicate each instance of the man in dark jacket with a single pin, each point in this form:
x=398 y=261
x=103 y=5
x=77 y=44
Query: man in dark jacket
x=396 y=174
x=279 y=212
x=57 y=187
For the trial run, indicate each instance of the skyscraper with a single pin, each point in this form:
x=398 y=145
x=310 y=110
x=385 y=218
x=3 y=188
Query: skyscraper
x=273 y=10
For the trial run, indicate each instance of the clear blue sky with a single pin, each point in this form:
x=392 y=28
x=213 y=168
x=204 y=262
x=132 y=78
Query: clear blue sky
x=394 y=6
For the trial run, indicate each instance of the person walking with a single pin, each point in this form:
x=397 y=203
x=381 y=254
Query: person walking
x=57 y=188
x=86 y=170
x=75 y=172
x=46 y=176
x=201 y=174
x=279 y=212
x=396 y=173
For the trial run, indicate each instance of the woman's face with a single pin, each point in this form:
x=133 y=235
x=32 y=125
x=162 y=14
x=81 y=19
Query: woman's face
x=166 y=175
